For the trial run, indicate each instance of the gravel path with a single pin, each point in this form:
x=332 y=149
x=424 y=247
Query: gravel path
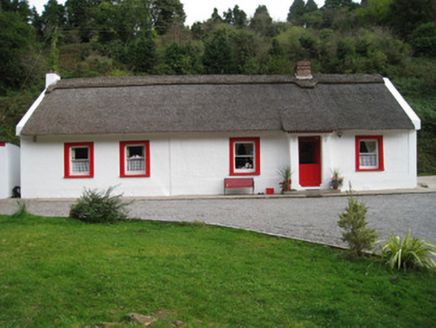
x=313 y=219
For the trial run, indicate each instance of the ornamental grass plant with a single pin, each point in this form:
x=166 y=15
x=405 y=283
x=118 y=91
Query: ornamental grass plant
x=408 y=253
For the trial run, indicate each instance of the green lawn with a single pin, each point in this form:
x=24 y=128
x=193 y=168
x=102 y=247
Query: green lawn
x=58 y=272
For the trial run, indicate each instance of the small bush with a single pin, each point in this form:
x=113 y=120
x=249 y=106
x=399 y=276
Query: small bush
x=353 y=221
x=99 y=207
x=408 y=253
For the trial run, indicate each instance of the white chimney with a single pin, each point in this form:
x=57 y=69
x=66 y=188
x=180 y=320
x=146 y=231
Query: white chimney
x=302 y=70
x=51 y=78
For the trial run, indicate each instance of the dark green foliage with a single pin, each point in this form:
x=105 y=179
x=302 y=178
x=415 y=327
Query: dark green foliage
x=424 y=40
x=406 y=15
x=408 y=253
x=219 y=56
x=16 y=45
x=165 y=13
x=296 y=12
x=99 y=207
x=358 y=237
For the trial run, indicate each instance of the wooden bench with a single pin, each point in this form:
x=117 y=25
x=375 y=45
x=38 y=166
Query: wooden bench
x=238 y=183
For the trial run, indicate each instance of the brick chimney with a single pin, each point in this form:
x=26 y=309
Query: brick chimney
x=302 y=70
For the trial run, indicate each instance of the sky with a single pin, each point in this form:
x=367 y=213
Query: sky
x=201 y=10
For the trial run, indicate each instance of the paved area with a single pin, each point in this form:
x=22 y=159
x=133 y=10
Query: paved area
x=297 y=216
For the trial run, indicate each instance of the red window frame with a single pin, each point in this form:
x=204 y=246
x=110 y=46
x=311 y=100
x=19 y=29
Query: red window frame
x=67 y=160
x=2 y=144
x=123 y=172
x=379 y=140
x=233 y=170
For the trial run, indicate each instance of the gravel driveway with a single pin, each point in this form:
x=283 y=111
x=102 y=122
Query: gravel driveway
x=313 y=219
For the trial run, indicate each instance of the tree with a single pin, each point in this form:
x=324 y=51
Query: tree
x=424 y=39
x=235 y=17
x=215 y=16
x=262 y=22
x=311 y=6
x=296 y=12
x=54 y=14
x=219 y=57
x=16 y=42
x=165 y=13
x=407 y=15
x=335 y=4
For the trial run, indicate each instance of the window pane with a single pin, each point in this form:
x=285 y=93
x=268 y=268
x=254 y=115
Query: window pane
x=80 y=153
x=81 y=166
x=368 y=154
x=135 y=151
x=135 y=159
x=244 y=148
x=244 y=163
x=368 y=146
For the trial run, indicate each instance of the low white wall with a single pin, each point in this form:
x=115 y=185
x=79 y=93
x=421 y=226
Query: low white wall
x=9 y=169
x=191 y=164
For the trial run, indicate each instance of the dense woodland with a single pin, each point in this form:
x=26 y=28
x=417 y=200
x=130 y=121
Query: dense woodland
x=89 y=38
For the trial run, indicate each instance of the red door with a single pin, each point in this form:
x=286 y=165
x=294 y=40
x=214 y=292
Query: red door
x=309 y=149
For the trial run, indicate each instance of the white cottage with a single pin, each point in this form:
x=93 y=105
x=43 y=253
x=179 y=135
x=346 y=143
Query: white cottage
x=183 y=135
x=9 y=169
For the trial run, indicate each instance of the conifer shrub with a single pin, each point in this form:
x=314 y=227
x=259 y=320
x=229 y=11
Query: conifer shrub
x=408 y=253
x=358 y=237
x=99 y=207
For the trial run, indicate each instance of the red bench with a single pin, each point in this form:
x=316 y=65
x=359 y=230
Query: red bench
x=238 y=183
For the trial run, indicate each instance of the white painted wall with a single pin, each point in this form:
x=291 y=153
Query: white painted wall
x=9 y=169
x=190 y=164
x=400 y=161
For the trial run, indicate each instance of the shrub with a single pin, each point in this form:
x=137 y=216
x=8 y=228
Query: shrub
x=353 y=221
x=99 y=207
x=408 y=253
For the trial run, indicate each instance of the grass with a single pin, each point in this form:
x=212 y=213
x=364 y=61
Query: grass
x=59 y=272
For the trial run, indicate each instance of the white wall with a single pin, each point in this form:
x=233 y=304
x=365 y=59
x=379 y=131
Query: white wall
x=9 y=169
x=399 y=153
x=196 y=164
x=190 y=164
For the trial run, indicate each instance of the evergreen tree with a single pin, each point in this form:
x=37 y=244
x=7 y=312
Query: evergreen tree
x=165 y=13
x=296 y=12
x=311 y=6
x=335 y=4
x=219 y=57
x=215 y=16
x=261 y=21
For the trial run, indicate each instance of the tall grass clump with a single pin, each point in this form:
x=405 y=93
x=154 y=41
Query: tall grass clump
x=408 y=253
x=358 y=237
x=21 y=212
x=99 y=207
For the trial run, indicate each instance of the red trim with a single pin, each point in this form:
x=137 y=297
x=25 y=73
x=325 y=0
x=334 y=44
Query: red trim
x=123 y=145
x=67 y=160
x=256 y=141
x=2 y=144
x=381 y=165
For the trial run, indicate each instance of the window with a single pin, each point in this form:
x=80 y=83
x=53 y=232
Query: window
x=244 y=156
x=134 y=159
x=79 y=160
x=369 y=153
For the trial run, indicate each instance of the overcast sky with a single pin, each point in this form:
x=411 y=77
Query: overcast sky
x=201 y=10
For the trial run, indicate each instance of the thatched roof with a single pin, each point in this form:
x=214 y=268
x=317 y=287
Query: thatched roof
x=221 y=103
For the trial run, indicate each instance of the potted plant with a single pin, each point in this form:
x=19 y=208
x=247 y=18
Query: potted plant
x=336 y=180
x=286 y=176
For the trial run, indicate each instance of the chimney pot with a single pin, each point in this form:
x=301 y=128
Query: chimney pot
x=302 y=70
x=51 y=78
